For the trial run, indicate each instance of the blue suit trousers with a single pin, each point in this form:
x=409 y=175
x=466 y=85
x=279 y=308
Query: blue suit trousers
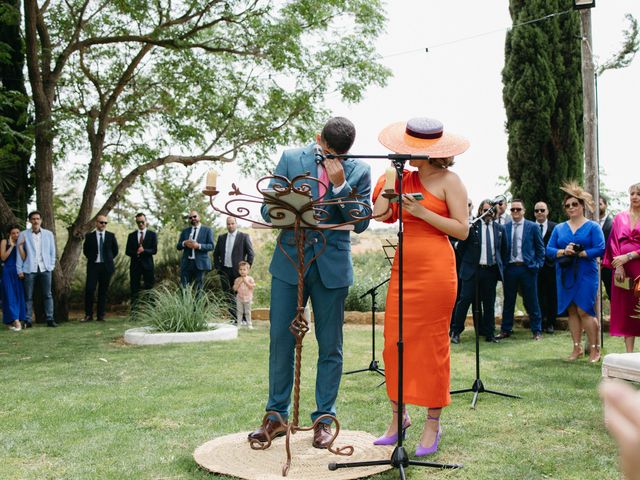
x=328 y=310
x=515 y=276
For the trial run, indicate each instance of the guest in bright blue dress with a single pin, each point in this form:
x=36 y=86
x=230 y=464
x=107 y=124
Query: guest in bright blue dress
x=576 y=245
x=13 y=306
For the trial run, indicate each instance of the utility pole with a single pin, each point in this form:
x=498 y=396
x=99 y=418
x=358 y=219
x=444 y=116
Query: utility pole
x=591 y=167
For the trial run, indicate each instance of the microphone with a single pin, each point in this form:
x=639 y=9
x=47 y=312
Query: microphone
x=499 y=199
x=319 y=156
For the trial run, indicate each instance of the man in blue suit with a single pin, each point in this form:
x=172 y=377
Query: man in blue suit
x=40 y=247
x=326 y=281
x=195 y=242
x=483 y=255
x=526 y=257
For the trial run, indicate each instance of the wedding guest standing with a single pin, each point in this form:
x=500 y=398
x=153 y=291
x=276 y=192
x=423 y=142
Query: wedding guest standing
x=13 y=304
x=429 y=274
x=623 y=255
x=576 y=244
x=142 y=245
x=100 y=247
x=40 y=248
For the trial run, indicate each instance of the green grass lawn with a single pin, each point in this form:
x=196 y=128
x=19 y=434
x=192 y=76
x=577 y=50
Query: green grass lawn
x=77 y=403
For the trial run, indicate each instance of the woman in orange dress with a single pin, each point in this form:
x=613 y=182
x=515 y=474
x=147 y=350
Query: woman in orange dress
x=429 y=273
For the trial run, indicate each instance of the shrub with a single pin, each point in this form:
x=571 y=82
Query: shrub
x=179 y=309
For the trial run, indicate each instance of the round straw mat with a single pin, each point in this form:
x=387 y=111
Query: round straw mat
x=231 y=455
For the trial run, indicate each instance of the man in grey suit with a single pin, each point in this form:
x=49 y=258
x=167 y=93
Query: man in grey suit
x=195 y=242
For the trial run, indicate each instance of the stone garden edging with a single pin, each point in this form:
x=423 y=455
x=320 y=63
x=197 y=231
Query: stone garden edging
x=145 y=335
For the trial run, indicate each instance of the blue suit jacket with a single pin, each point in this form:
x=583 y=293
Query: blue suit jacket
x=205 y=239
x=469 y=250
x=334 y=264
x=532 y=244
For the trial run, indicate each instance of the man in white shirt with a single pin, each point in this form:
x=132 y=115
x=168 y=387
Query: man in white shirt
x=547 y=294
x=526 y=256
x=232 y=248
x=40 y=247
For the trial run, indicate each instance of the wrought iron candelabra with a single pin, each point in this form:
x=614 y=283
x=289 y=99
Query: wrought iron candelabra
x=291 y=206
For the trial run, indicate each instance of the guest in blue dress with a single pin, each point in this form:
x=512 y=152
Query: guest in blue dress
x=576 y=245
x=13 y=305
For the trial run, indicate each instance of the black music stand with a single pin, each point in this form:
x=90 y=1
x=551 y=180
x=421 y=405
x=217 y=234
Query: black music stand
x=399 y=458
x=373 y=366
x=478 y=387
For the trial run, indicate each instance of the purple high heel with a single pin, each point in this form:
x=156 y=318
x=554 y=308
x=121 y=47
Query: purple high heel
x=393 y=439
x=423 y=451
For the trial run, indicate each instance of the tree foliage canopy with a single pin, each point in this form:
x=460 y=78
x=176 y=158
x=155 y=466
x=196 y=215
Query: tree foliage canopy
x=134 y=85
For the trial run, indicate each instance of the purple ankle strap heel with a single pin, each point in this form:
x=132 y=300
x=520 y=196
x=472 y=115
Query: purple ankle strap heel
x=423 y=451
x=393 y=439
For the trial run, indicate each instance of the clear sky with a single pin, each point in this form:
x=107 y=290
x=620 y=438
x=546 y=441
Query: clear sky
x=459 y=82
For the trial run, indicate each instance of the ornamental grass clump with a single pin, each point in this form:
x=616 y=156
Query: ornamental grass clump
x=180 y=310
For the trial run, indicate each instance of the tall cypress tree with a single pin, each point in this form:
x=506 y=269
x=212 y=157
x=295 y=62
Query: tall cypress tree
x=15 y=139
x=543 y=100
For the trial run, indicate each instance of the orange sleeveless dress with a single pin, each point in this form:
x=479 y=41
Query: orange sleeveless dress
x=429 y=293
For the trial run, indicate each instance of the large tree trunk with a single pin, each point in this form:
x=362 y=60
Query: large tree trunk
x=64 y=275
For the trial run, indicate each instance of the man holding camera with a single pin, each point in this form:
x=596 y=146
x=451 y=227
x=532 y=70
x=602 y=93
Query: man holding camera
x=524 y=242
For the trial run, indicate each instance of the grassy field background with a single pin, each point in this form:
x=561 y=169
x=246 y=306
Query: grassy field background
x=78 y=403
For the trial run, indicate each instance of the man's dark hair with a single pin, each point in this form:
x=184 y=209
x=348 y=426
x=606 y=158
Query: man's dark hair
x=339 y=134
x=35 y=212
x=140 y=214
x=514 y=200
x=604 y=198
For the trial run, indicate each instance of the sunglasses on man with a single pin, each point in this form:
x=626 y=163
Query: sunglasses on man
x=516 y=209
x=103 y=223
x=539 y=210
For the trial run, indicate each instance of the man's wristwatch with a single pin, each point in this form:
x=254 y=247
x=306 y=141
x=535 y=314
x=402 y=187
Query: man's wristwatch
x=629 y=256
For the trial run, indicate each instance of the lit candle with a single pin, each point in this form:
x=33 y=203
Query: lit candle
x=390 y=179
x=212 y=177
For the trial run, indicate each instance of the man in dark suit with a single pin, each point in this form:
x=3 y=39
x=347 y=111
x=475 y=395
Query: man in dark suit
x=482 y=257
x=142 y=245
x=195 y=242
x=547 y=294
x=526 y=256
x=232 y=248
x=100 y=247
x=605 y=223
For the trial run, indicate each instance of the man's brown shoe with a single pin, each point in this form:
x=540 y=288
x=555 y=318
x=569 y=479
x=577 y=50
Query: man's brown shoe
x=273 y=428
x=322 y=436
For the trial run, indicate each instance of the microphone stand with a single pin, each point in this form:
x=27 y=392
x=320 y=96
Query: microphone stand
x=399 y=458
x=373 y=366
x=478 y=387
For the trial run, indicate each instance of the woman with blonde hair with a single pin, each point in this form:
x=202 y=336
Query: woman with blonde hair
x=623 y=255
x=576 y=245
x=437 y=209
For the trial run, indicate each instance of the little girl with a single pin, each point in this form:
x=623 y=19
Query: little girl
x=243 y=286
